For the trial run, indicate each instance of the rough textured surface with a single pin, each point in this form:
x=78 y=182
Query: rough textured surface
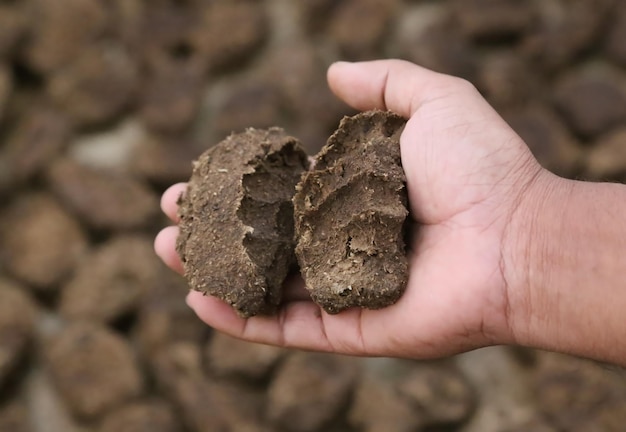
x=84 y=357
x=236 y=230
x=350 y=213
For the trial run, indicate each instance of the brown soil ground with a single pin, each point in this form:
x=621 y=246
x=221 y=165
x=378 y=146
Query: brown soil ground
x=105 y=103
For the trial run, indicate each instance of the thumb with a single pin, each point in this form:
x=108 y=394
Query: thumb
x=394 y=85
x=455 y=147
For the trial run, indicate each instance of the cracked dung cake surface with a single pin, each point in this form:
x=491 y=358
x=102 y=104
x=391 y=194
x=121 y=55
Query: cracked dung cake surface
x=236 y=229
x=350 y=216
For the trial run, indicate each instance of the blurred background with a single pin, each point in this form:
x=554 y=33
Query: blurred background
x=104 y=103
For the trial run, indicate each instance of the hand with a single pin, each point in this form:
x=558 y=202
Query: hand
x=467 y=172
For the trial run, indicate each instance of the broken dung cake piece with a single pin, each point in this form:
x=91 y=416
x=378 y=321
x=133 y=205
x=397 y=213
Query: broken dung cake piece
x=350 y=216
x=236 y=228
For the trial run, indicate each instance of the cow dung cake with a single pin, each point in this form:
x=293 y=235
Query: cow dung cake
x=252 y=208
x=236 y=237
x=350 y=216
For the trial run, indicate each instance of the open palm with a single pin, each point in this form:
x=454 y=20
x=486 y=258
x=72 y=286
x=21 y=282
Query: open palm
x=466 y=174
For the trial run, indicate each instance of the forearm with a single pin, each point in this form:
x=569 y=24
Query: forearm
x=567 y=283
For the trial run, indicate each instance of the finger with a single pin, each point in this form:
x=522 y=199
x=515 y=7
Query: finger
x=165 y=248
x=394 y=85
x=301 y=325
x=169 y=200
x=297 y=325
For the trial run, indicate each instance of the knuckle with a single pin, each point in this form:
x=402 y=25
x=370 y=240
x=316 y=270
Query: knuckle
x=462 y=85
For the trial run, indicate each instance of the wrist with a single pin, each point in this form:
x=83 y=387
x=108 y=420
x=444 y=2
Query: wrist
x=531 y=237
x=564 y=268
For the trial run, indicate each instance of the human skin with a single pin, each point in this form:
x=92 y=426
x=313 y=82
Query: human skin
x=506 y=253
